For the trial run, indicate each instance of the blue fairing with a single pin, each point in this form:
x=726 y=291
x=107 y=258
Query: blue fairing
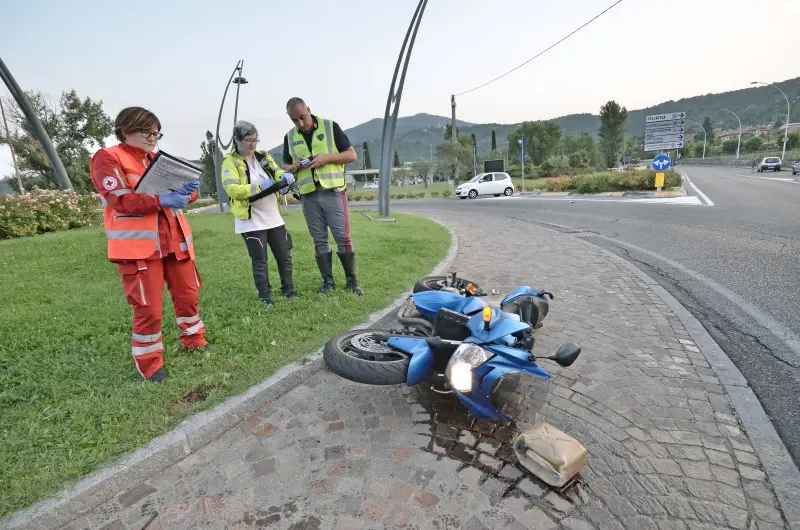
x=499 y=327
x=428 y=303
x=421 y=362
x=520 y=292
x=486 y=376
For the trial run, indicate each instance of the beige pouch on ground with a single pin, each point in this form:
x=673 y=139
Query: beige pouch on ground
x=552 y=455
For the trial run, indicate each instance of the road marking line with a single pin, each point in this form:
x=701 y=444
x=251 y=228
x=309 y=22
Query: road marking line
x=688 y=200
x=780 y=179
x=700 y=193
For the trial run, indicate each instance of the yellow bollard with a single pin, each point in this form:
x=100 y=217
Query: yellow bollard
x=659 y=181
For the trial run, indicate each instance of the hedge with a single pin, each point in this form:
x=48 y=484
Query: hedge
x=40 y=211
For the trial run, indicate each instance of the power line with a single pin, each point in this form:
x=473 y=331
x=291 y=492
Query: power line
x=544 y=51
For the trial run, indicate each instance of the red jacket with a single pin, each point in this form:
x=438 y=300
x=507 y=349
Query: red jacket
x=137 y=227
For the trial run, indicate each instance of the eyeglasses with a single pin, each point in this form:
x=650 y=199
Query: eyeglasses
x=148 y=134
x=252 y=141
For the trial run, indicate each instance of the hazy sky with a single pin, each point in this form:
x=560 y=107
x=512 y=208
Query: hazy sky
x=175 y=56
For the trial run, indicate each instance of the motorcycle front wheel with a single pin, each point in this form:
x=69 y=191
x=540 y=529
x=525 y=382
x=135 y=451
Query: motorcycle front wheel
x=359 y=355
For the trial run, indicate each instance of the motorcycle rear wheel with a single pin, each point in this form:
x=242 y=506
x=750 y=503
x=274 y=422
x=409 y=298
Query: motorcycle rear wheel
x=436 y=283
x=357 y=355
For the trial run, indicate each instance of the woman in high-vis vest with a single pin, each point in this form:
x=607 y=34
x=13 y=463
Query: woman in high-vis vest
x=149 y=240
x=250 y=179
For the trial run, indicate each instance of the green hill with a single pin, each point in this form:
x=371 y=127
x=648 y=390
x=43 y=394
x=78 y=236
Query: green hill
x=419 y=134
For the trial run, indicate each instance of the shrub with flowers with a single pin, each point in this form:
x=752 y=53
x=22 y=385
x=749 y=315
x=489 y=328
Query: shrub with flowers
x=40 y=211
x=561 y=183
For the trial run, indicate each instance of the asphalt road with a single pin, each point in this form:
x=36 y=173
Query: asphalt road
x=735 y=265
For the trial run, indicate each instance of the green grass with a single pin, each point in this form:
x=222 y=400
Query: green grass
x=434 y=187
x=71 y=400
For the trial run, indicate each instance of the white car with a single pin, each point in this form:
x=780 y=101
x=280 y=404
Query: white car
x=370 y=186
x=496 y=184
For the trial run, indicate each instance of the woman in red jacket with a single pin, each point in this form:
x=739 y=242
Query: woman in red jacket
x=149 y=240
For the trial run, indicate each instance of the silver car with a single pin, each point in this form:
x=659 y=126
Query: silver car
x=772 y=163
x=795 y=167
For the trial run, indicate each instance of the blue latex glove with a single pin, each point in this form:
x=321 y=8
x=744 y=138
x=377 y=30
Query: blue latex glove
x=266 y=184
x=288 y=178
x=174 y=199
x=189 y=188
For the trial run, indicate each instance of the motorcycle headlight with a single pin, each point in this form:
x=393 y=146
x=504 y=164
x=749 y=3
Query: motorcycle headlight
x=459 y=368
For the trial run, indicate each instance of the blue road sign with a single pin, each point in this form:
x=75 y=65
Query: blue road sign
x=662 y=163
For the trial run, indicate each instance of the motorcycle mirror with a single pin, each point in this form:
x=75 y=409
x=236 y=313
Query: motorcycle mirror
x=470 y=289
x=566 y=354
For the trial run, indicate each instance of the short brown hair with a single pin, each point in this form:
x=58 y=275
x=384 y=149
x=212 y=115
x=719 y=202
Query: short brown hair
x=133 y=119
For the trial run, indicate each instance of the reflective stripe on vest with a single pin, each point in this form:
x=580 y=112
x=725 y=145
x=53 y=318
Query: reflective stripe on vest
x=138 y=235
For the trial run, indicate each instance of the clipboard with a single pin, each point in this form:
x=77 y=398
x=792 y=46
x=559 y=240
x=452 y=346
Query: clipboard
x=167 y=173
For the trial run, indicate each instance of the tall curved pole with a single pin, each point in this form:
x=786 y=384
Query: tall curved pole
x=738 y=145
x=38 y=128
x=788 y=114
x=218 y=145
x=393 y=108
x=704 y=137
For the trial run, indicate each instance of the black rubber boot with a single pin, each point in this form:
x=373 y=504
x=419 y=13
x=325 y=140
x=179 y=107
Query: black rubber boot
x=325 y=264
x=160 y=376
x=287 y=285
x=348 y=260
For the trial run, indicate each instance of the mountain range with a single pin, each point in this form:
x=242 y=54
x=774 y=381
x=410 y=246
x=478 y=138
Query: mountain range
x=417 y=136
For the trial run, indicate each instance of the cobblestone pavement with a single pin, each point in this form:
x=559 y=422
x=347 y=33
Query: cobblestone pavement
x=666 y=450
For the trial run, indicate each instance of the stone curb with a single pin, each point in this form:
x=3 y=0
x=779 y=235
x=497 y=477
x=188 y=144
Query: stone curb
x=778 y=464
x=189 y=436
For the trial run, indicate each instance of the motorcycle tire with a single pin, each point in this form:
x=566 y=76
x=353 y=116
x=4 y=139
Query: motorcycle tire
x=358 y=356
x=435 y=283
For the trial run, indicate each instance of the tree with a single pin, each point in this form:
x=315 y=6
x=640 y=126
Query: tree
x=367 y=157
x=542 y=140
x=753 y=144
x=634 y=146
x=794 y=141
x=75 y=126
x=778 y=124
x=579 y=159
x=455 y=157
x=208 y=180
x=729 y=146
x=494 y=140
x=396 y=160
x=612 y=131
x=421 y=169
x=448 y=131
x=709 y=127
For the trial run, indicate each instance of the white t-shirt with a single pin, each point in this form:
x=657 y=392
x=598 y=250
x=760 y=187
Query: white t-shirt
x=264 y=213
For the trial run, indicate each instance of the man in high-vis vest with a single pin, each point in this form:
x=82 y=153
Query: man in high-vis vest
x=316 y=152
x=149 y=240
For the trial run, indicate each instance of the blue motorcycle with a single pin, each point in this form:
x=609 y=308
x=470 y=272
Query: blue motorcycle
x=470 y=352
x=419 y=313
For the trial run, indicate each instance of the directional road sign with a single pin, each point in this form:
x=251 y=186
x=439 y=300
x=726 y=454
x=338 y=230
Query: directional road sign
x=665 y=117
x=662 y=163
x=664 y=131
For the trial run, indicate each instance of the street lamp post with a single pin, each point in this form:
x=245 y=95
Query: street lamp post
x=393 y=108
x=739 y=144
x=521 y=141
x=38 y=128
x=704 y=137
x=218 y=145
x=788 y=114
x=11 y=147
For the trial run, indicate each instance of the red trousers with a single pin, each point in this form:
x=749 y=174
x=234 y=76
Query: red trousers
x=143 y=284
